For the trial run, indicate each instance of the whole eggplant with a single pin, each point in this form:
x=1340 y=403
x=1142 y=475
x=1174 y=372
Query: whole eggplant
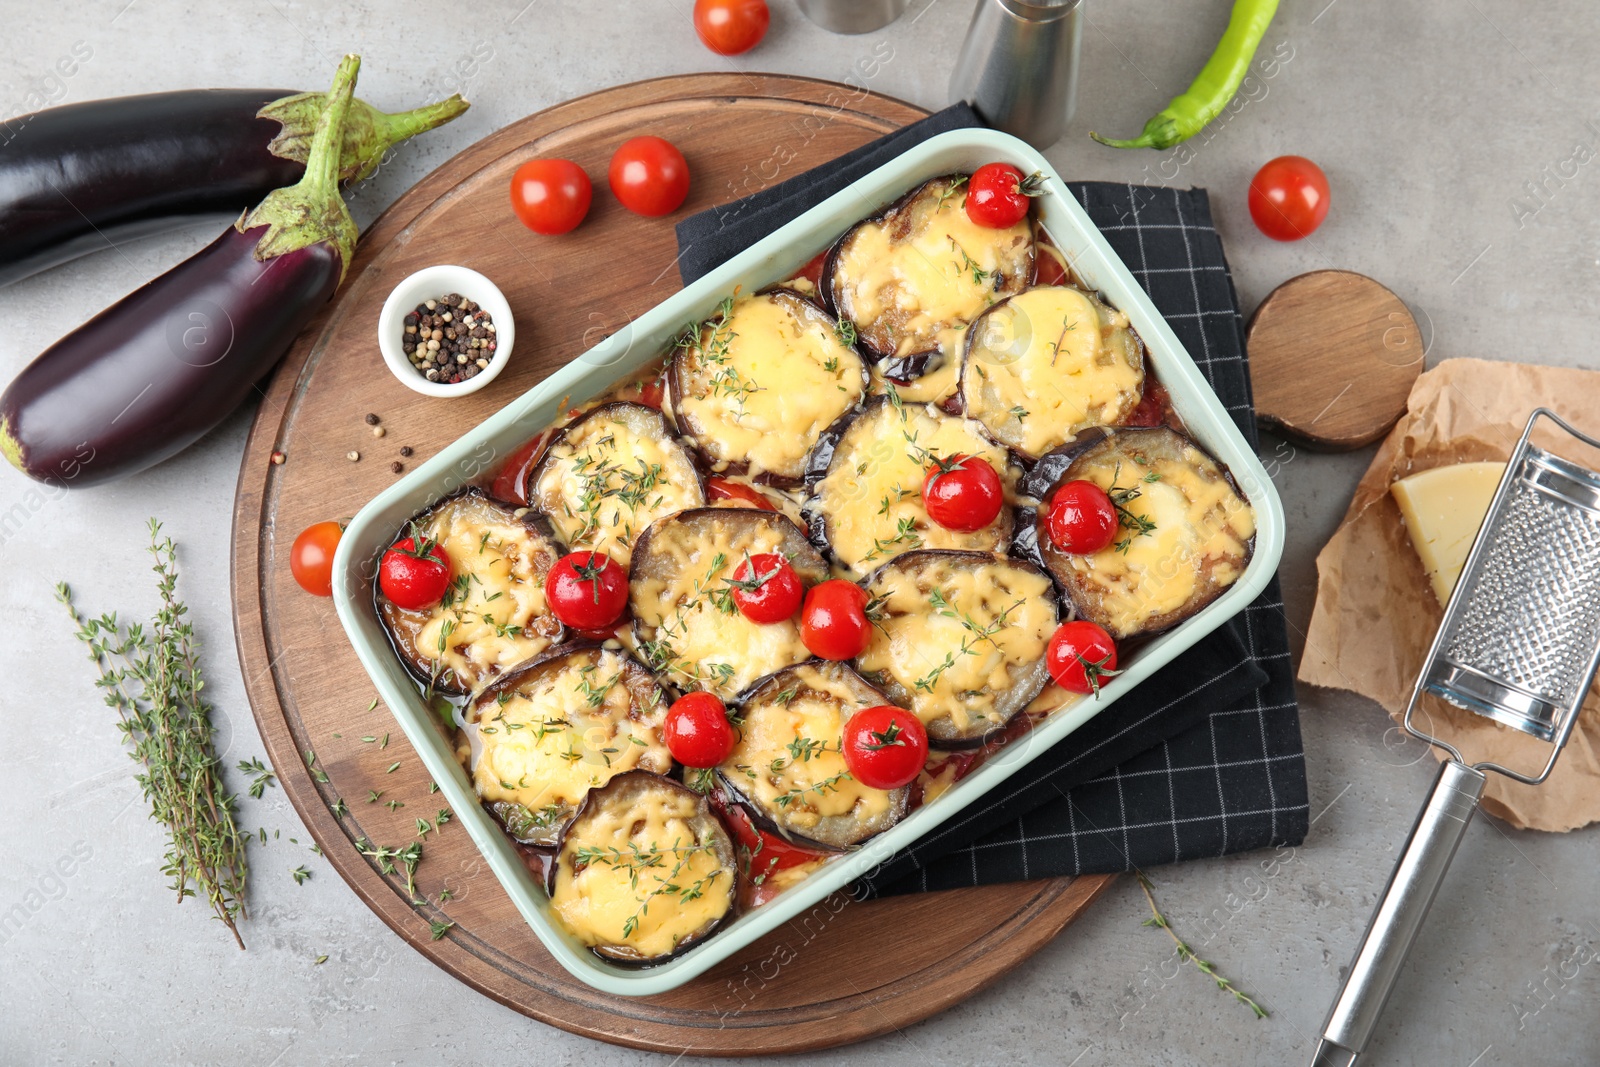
x=77 y=179
x=165 y=364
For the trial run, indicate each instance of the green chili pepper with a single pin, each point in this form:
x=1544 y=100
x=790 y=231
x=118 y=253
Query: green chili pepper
x=1218 y=80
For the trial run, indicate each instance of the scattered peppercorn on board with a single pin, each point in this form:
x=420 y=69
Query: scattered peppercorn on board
x=350 y=772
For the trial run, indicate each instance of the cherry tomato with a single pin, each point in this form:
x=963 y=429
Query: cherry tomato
x=649 y=176
x=885 y=747
x=729 y=27
x=998 y=195
x=723 y=489
x=1082 y=519
x=767 y=589
x=962 y=493
x=1080 y=656
x=833 y=622
x=511 y=481
x=414 y=577
x=550 y=196
x=698 y=732
x=1289 y=198
x=311 y=557
x=587 y=590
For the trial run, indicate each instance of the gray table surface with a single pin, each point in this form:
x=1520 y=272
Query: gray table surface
x=1431 y=121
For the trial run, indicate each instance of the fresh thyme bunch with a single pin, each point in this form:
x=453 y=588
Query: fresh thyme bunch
x=151 y=676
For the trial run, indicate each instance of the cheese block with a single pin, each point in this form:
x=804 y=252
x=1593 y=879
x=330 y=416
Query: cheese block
x=1185 y=533
x=610 y=473
x=1443 y=509
x=686 y=625
x=1047 y=364
x=789 y=763
x=959 y=638
x=567 y=722
x=644 y=871
x=866 y=484
x=754 y=387
x=913 y=277
x=493 y=615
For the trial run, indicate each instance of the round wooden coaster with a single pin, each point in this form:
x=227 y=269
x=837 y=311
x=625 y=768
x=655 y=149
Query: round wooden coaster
x=1333 y=355
x=846 y=971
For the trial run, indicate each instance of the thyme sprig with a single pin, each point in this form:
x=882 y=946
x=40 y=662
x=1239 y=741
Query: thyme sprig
x=1127 y=518
x=151 y=678
x=1187 y=954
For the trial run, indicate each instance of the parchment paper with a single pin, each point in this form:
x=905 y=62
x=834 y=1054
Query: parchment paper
x=1376 y=615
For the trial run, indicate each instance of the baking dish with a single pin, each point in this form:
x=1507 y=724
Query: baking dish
x=776 y=257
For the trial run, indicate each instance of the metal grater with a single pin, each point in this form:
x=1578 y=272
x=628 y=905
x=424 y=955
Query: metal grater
x=1519 y=643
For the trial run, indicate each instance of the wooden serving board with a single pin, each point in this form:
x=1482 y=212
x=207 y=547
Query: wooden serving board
x=844 y=973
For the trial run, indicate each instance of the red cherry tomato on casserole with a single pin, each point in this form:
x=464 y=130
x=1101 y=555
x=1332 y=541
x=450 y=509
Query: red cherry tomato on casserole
x=311 y=557
x=1289 y=198
x=833 y=622
x=649 y=176
x=587 y=590
x=511 y=481
x=723 y=489
x=998 y=195
x=885 y=747
x=697 y=731
x=550 y=196
x=413 y=577
x=962 y=493
x=767 y=589
x=1082 y=519
x=1081 y=656
x=729 y=27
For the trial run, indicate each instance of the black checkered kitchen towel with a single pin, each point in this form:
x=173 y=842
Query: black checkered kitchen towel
x=1202 y=759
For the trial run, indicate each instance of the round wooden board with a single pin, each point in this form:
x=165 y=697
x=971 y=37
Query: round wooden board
x=844 y=973
x=1333 y=355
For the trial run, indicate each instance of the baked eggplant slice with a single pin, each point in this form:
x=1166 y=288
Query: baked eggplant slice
x=755 y=386
x=493 y=616
x=1043 y=366
x=913 y=276
x=1186 y=532
x=610 y=473
x=686 y=625
x=558 y=726
x=788 y=769
x=643 y=871
x=866 y=477
x=959 y=639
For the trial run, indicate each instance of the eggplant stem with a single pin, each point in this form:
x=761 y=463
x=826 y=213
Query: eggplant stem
x=368 y=132
x=311 y=210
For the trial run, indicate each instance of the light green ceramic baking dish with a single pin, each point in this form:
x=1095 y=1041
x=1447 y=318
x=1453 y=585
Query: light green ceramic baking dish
x=473 y=456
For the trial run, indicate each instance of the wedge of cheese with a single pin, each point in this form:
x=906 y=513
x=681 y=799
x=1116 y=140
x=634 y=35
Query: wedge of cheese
x=1443 y=509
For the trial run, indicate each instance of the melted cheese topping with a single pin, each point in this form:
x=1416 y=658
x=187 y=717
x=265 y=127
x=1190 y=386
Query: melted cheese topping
x=917 y=277
x=871 y=497
x=564 y=731
x=1199 y=541
x=1048 y=364
x=958 y=636
x=664 y=883
x=792 y=748
x=494 y=615
x=691 y=630
x=765 y=382
x=610 y=477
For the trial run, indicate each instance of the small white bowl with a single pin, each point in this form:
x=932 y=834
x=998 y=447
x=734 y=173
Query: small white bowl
x=430 y=283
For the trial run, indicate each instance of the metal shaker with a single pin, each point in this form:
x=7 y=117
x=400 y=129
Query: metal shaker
x=853 y=16
x=1019 y=66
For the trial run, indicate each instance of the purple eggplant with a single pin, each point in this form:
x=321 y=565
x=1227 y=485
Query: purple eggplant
x=76 y=179
x=165 y=364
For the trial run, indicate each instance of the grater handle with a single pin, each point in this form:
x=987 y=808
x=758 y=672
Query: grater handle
x=1394 y=927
